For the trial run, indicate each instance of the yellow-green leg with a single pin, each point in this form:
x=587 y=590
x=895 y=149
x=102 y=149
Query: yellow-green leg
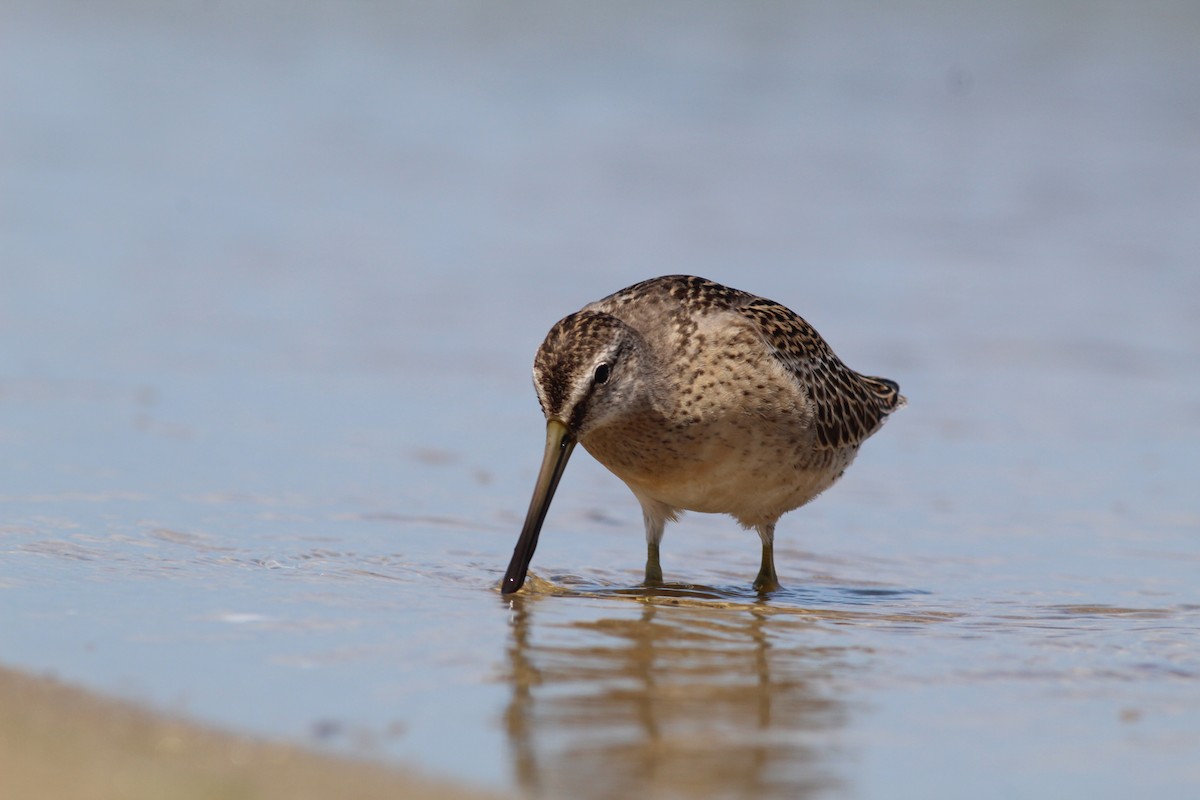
x=766 y=580
x=655 y=521
x=653 y=567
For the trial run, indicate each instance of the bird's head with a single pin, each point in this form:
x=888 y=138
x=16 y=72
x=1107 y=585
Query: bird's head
x=588 y=372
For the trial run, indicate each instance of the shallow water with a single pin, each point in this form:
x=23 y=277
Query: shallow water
x=272 y=282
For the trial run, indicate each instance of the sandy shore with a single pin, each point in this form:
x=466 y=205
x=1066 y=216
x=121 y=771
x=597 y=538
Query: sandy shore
x=60 y=742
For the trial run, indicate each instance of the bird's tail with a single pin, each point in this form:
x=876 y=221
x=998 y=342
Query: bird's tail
x=888 y=393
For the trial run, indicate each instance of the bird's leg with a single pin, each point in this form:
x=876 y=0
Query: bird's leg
x=653 y=567
x=766 y=580
x=654 y=533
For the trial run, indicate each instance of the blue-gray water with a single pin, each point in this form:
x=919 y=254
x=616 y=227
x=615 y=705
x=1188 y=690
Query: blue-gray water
x=273 y=276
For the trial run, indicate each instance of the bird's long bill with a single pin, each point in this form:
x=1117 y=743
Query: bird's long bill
x=559 y=444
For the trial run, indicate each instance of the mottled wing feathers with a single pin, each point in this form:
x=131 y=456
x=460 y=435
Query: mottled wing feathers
x=849 y=407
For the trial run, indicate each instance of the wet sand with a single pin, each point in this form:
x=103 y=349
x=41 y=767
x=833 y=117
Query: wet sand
x=60 y=742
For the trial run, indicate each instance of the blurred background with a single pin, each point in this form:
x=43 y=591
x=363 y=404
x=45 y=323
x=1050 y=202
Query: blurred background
x=271 y=280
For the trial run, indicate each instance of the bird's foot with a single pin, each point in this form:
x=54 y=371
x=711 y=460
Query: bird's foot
x=766 y=586
x=766 y=582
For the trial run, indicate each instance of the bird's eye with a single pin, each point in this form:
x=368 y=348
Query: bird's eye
x=601 y=374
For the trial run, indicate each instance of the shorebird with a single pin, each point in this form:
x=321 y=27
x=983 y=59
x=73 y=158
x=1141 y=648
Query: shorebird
x=700 y=398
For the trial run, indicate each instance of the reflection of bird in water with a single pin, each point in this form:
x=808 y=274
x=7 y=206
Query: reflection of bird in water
x=668 y=701
x=701 y=398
